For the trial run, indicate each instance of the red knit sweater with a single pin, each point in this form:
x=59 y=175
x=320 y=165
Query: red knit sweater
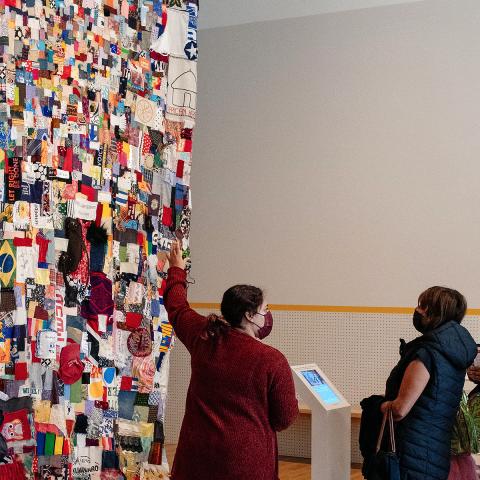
x=241 y=392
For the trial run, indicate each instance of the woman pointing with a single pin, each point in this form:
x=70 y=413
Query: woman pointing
x=241 y=391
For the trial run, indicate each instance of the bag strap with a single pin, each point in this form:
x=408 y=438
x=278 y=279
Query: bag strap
x=388 y=414
x=392 y=431
x=380 y=435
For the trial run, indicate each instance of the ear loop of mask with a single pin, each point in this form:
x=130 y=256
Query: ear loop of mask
x=251 y=321
x=256 y=313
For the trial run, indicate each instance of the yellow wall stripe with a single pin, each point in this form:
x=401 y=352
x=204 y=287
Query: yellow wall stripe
x=327 y=308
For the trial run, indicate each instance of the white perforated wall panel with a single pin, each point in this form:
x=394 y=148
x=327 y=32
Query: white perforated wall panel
x=356 y=351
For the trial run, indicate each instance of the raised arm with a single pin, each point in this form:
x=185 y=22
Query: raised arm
x=187 y=323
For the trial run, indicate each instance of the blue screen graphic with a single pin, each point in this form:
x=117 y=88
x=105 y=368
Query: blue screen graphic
x=321 y=387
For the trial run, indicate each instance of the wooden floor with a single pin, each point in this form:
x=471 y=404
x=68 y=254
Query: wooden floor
x=290 y=469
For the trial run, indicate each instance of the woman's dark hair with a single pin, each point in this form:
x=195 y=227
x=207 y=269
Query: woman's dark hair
x=442 y=304
x=236 y=302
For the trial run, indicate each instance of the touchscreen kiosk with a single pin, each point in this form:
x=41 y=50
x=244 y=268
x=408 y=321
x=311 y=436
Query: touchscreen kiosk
x=321 y=387
x=331 y=423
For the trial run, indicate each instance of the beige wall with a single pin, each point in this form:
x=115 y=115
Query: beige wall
x=337 y=156
x=221 y=13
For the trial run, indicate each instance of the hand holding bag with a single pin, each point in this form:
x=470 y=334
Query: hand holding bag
x=386 y=464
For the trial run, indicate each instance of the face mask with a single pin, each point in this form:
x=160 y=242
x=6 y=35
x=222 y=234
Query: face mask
x=418 y=322
x=267 y=325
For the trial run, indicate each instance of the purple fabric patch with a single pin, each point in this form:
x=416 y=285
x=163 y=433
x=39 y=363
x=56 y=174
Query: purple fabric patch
x=100 y=301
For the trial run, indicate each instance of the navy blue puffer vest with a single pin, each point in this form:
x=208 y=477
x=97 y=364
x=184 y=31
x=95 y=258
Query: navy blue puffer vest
x=423 y=436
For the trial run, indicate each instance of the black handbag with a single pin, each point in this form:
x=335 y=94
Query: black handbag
x=385 y=465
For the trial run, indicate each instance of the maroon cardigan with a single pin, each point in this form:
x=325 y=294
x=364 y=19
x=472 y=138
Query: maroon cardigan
x=241 y=392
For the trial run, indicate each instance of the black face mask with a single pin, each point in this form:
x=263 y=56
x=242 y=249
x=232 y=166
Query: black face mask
x=418 y=320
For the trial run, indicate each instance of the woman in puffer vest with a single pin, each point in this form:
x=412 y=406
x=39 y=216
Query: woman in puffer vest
x=425 y=388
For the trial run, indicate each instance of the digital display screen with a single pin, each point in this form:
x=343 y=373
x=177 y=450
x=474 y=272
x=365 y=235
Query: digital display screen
x=321 y=387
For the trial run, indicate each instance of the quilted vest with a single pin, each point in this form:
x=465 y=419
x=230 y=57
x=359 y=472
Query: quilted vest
x=424 y=435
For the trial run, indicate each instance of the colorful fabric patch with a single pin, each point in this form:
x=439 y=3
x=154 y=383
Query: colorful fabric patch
x=97 y=109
